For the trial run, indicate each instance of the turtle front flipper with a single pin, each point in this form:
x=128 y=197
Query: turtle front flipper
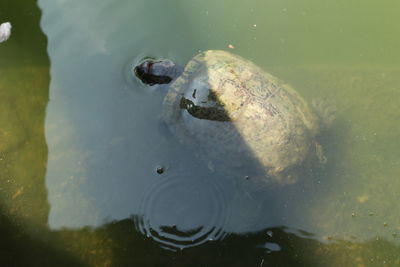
x=326 y=113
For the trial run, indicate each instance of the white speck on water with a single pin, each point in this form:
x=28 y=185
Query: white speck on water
x=5 y=31
x=272 y=247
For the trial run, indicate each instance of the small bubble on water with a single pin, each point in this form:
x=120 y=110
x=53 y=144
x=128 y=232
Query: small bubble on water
x=247 y=177
x=160 y=169
x=385 y=224
x=353 y=214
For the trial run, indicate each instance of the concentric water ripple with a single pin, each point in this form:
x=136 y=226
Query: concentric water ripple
x=184 y=211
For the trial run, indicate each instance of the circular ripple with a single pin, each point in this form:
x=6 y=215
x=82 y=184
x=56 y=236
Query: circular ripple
x=181 y=212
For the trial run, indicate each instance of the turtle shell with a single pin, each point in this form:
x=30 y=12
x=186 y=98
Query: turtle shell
x=239 y=116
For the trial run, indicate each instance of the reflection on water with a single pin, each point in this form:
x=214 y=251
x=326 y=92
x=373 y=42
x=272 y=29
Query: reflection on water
x=104 y=136
x=105 y=139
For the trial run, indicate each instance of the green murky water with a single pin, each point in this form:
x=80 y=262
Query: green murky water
x=80 y=138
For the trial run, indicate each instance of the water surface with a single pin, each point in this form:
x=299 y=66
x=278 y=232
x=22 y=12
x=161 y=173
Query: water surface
x=96 y=149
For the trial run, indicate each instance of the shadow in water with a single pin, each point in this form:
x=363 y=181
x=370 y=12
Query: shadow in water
x=27 y=44
x=24 y=72
x=19 y=247
x=277 y=246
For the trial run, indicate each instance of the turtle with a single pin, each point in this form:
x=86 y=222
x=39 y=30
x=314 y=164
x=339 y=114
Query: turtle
x=235 y=114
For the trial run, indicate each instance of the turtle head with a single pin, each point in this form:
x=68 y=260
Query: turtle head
x=152 y=71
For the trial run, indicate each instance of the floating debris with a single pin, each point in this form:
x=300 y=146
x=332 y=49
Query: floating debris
x=18 y=193
x=5 y=31
x=231 y=46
